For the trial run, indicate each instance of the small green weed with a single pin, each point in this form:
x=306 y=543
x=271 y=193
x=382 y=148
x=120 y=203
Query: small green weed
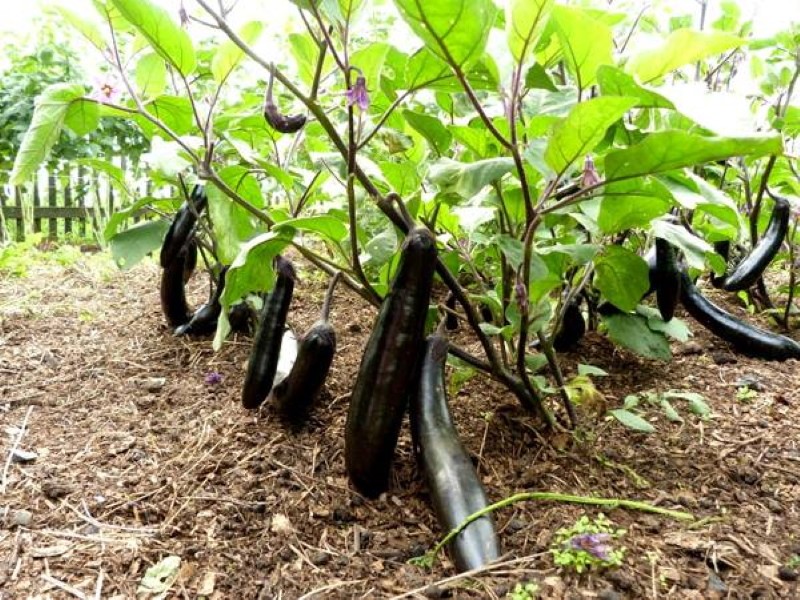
x=524 y=591
x=588 y=544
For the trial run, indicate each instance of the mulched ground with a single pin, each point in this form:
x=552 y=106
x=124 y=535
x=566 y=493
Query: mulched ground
x=137 y=459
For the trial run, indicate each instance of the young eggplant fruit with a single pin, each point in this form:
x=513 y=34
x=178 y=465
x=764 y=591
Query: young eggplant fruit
x=296 y=394
x=180 y=231
x=747 y=339
x=173 y=293
x=266 y=349
x=389 y=371
x=667 y=279
x=572 y=329
x=280 y=122
x=453 y=484
x=753 y=265
x=204 y=319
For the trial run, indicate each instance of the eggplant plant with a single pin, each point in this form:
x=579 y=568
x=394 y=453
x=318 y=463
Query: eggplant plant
x=543 y=151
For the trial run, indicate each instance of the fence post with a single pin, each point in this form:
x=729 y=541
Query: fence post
x=52 y=222
x=68 y=201
x=21 y=220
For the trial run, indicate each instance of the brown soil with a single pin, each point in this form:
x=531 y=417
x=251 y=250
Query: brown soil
x=125 y=477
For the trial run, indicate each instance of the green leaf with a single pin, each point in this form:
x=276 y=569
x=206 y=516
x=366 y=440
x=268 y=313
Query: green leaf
x=525 y=21
x=681 y=47
x=669 y=411
x=402 y=176
x=586 y=43
x=251 y=271
x=87 y=29
x=583 y=129
x=151 y=75
x=467 y=179
x=694 y=249
x=697 y=404
x=455 y=30
x=431 y=129
x=325 y=225
x=370 y=60
x=120 y=216
x=233 y=225
x=616 y=82
x=114 y=173
x=229 y=55
x=591 y=370
x=49 y=113
x=668 y=150
x=632 y=203
x=174 y=111
x=83 y=116
x=305 y=53
x=631 y=332
x=675 y=328
x=130 y=246
x=165 y=36
x=622 y=277
x=537 y=78
x=632 y=420
x=349 y=8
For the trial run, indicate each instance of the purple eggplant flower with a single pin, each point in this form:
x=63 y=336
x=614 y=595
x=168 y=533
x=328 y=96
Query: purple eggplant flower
x=590 y=176
x=357 y=95
x=213 y=378
x=595 y=544
x=105 y=90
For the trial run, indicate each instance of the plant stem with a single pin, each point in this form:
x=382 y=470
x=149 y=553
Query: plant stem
x=559 y=497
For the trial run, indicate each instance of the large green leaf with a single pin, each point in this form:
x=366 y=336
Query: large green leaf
x=233 y=224
x=632 y=203
x=696 y=250
x=349 y=8
x=622 y=277
x=83 y=116
x=431 y=129
x=583 y=129
x=251 y=271
x=115 y=175
x=229 y=55
x=525 y=21
x=631 y=332
x=164 y=35
x=86 y=28
x=151 y=75
x=132 y=245
x=615 y=82
x=174 y=111
x=327 y=226
x=467 y=179
x=370 y=60
x=586 y=43
x=50 y=111
x=632 y=420
x=668 y=150
x=455 y=30
x=681 y=47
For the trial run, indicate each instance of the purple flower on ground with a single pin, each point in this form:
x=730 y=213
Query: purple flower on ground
x=590 y=175
x=595 y=544
x=105 y=90
x=213 y=378
x=358 y=93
